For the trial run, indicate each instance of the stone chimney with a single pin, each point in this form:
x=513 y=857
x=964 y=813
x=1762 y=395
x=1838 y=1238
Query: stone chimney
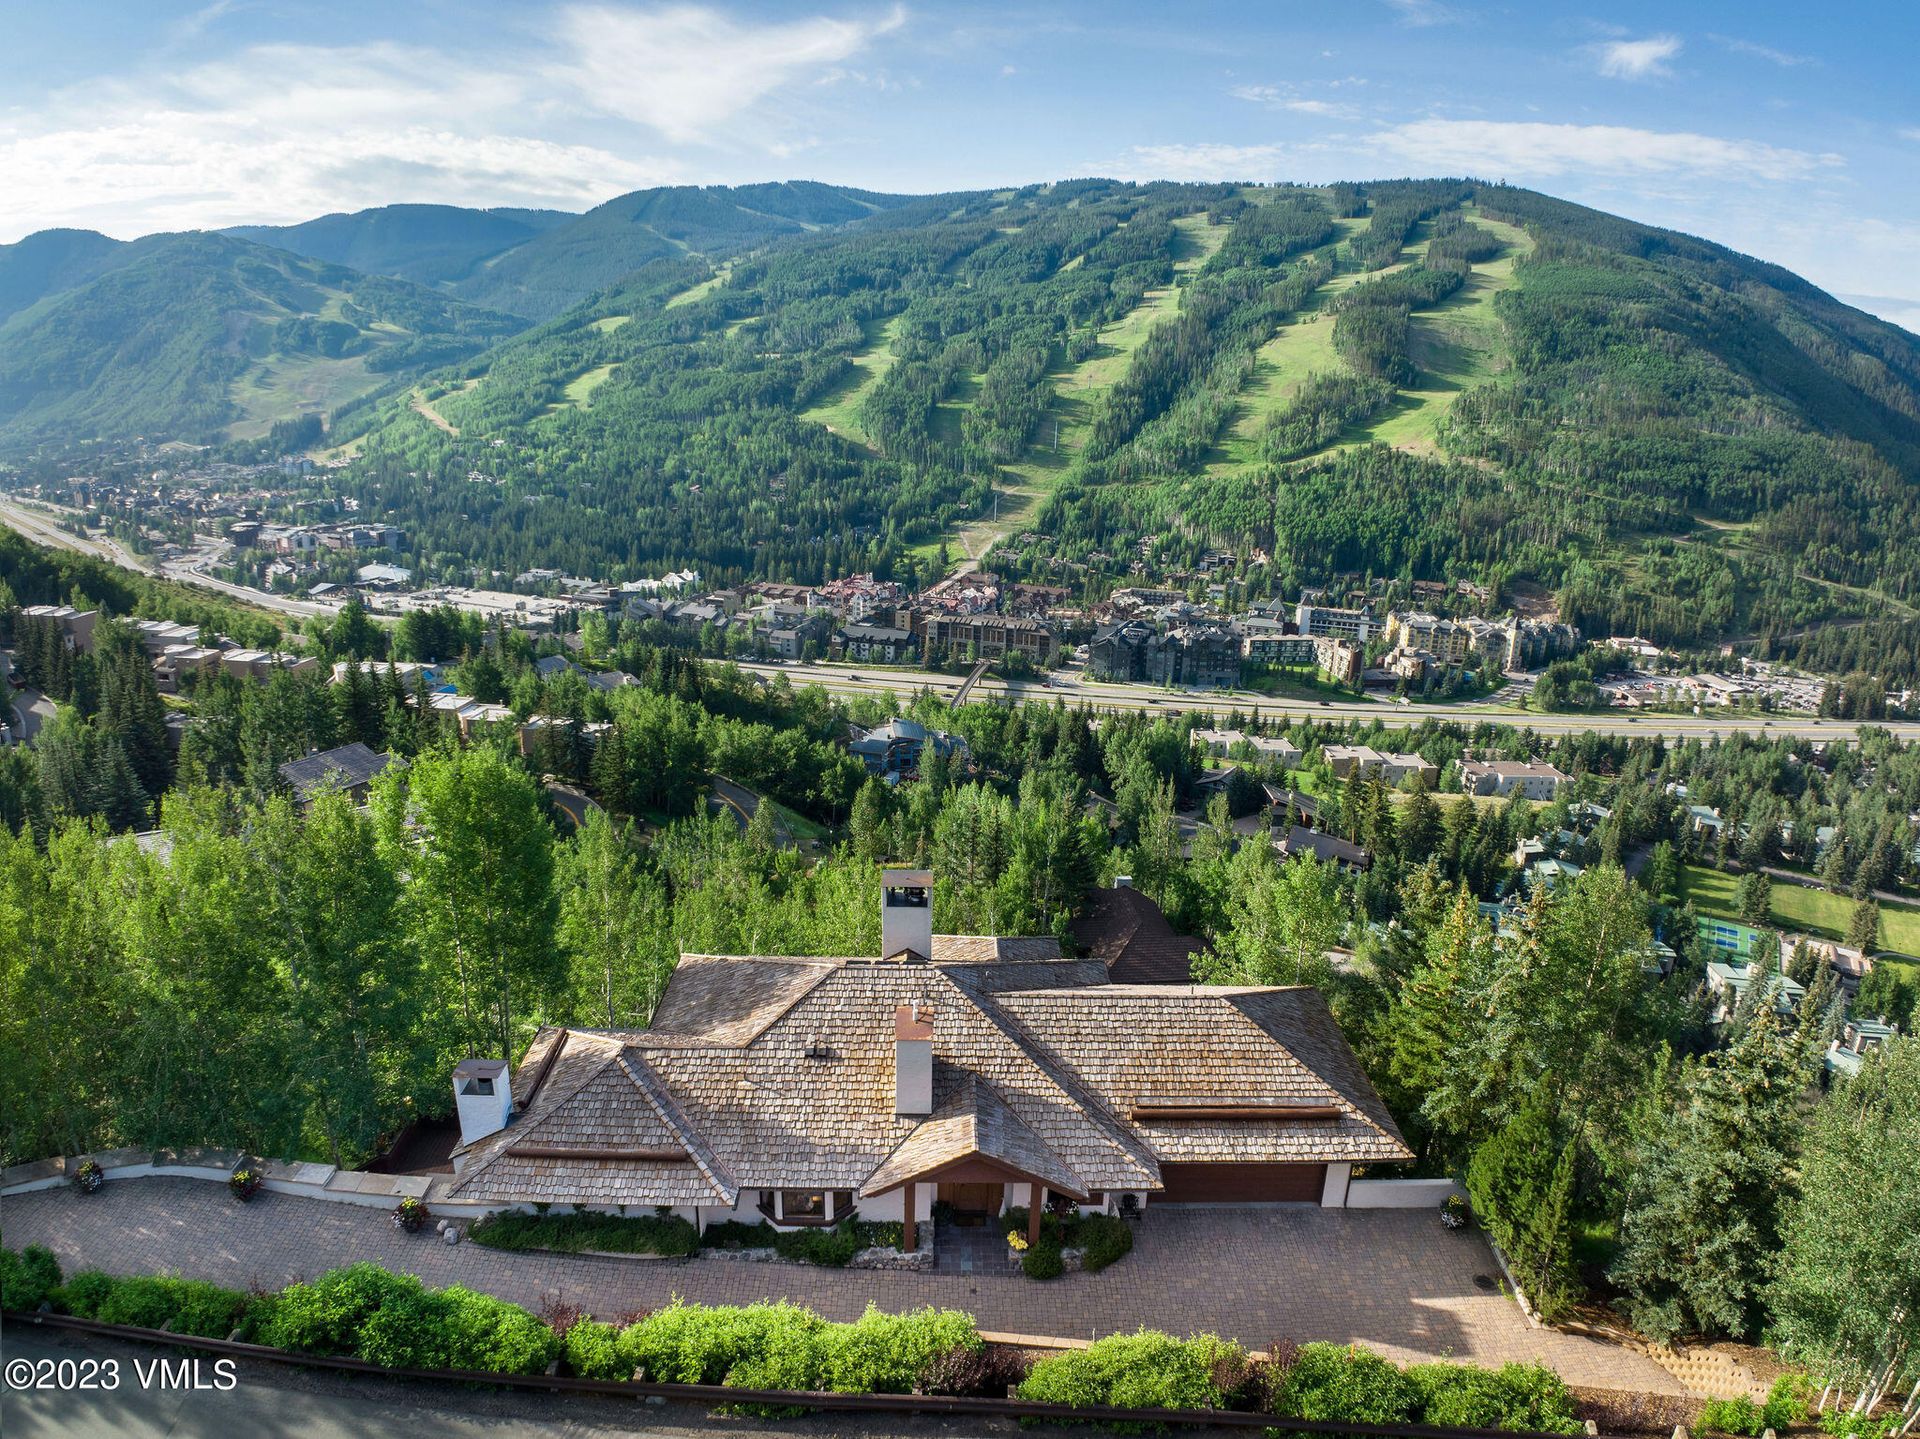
x=483 y=1095
x=906 y=913
x=913 y=1060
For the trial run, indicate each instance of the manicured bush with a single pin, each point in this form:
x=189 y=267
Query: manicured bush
x=1337 y=1381
x=28 y=1277
x=327 y=1315
x=1514 y=1396
x=830 y=1245
x=591 y=1350
x=187 y=1306
x=665 y=1234
x=84 y=1293
x=1105 y=1238
x=889 y=1353
x=700 y=1344
x=1043 y=1260
x=1732 y=1416
x=1147 y=1370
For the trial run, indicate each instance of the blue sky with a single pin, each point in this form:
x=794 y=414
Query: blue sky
x=1788 y=131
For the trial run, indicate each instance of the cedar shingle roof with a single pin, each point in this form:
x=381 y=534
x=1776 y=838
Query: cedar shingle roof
x=779 y=1073
x=348 y=767
x=974 y=1121
x=1126 y=931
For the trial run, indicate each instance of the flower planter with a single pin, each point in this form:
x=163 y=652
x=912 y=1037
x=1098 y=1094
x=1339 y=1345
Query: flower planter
x=411 y=1215
x=243 y=1184
x=89 y=1177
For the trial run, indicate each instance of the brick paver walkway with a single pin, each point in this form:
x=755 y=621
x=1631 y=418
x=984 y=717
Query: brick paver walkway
x=1393 y=1280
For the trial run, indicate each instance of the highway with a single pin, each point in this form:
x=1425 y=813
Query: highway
x=1073 y=689
x=37 y=523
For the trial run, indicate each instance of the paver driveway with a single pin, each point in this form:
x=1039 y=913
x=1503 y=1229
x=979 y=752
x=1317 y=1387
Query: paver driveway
x=1394 y=1280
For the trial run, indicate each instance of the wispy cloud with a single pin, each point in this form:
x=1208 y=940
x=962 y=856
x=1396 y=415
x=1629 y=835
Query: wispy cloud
x=1636 y=59
x=687 y=70
x=1909 y=132
x=1278 y=98
x=1425 y=12
x=285 y=131
x=1203 y=161
x=1761 y=52
x=1537 y=150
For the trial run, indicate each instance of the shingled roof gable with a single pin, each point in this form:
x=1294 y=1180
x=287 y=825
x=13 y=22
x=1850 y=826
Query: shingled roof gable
x=975 y=1122
x=725 y=1001
x=1196 y=1044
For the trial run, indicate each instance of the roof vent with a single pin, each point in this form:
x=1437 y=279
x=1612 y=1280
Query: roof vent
x=816 y=1049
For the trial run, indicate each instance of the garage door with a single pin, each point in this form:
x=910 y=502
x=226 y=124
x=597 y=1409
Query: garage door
x=1241 y=1183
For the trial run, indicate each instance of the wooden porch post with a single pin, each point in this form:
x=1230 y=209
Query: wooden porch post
x=906 y=1229
x=1036 y=1200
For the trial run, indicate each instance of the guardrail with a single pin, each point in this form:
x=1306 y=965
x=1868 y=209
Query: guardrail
x=723 y=1394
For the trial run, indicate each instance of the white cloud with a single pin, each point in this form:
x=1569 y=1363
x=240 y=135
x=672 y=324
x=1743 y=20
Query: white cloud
x=687 y=70
x=1738 y=46
x=279 y=132
x=1637 y=59
x=1536 y=149
x=1425 y=12
x=1279 y=99
x=1910 y=132
x=1203 y=161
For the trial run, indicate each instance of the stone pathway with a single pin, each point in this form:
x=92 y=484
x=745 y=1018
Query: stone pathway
x=1393 y=1280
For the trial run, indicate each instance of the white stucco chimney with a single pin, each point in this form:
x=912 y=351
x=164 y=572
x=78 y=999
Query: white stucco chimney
x=913 y=1059
x=483 y=1095
x=906 y=912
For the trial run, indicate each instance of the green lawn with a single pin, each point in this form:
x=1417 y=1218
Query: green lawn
x=580 y=390
x=1795 y=907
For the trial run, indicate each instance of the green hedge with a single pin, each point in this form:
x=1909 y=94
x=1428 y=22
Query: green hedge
x=831 y=1245
x=571 y=1233
x=1146 y=1370
x=1314 y=1381
x=28 y=1277
x=395 y=1320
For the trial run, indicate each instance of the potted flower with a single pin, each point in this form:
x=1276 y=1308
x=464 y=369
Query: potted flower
x=410 y=1216
x=1454 y=1213
x=245 y=1182
x=89 y=1176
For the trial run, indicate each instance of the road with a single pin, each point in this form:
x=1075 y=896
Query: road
x=37 y=523
x=271 y=1400
x=860 y=679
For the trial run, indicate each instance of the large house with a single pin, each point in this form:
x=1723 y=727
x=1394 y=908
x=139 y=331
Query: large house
x=956 y=1070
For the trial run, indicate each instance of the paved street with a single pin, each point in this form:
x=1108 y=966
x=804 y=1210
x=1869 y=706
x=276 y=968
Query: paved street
x=1394 y=1280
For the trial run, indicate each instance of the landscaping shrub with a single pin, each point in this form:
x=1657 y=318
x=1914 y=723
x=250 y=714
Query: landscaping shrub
x=572 y=1233
x=327 y=1315
x=890 y=1353
x=84 y=1293
x=1335 y=1381
x=591 y=1350
x=1789 y=1402
x=191 y=1306
x=990 y=1370
x=698 y=1344
x=1105 y=1237
x=28 y=1277
x=1147 y=1370
x=1514 y=1396
x=456 y=1328
x=1043 y=1260
x=1732 y=1416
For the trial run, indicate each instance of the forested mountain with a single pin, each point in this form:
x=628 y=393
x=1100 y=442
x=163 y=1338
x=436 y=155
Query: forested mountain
x=50 y=261
x=198 y=335
x=433 y=244
x=564 y=264
x=1437 y=379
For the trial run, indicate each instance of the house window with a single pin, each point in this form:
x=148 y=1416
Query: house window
x=803 y=1204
